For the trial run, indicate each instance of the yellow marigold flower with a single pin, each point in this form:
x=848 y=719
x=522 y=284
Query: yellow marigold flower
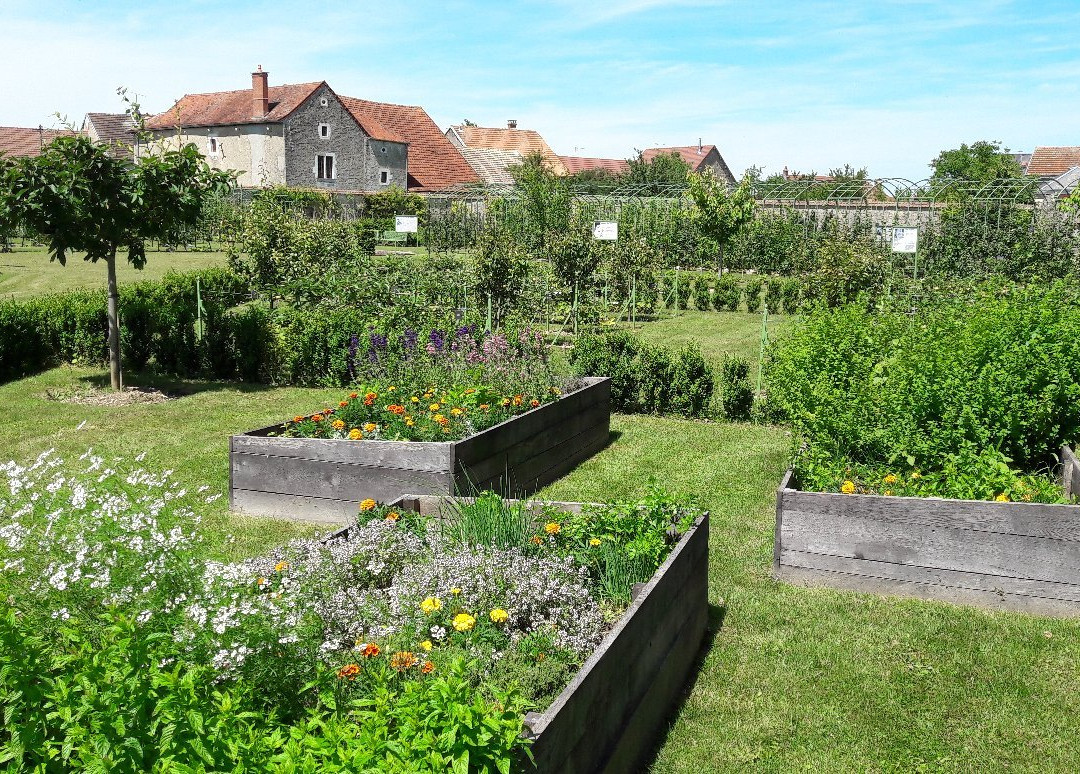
x=370 y=427
x=409 y=422
x=427 y=668
x=367 y=504
x=455 y=591
x=915 y=476
x=552 y=528
x=355 y=434
x=414 y=399
x=348 y=672
x=338 y=425
x=464 y=622
x=505 y=401
x=281 y=566
x=556 y=391
x=888 y=493
x=594 y=542
x=485 y=406
x=391 y=388
x=890 y=479
x=426 y=646
x=403 y=659
x=393 y=516
x=431 y=604
x=433 y=407
x=456 y=411
x=1002 y=498
x=519 y=399
x=498 y=615
x=261 y=582
x=848 y=487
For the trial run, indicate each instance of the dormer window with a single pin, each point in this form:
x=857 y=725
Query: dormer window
x=324 y=131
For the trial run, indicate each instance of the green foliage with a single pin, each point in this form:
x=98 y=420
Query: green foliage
x=644 y=378
x=702 y=292
x=790 y=294
x=726 y=294
x=574 y=255
x=663 y=174
x=846 y=266
x=982 y=161
x=773 y=295
x=736 y=394
x=545 y=201
x=502 y=270
x=720 y=214
x=382 y=206
x=752 y=293
x=891 y=389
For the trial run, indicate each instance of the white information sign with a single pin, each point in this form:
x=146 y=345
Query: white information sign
x=607 y=230
x=905 y=240
x=405 y=224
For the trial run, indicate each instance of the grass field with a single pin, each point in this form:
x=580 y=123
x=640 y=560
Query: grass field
x=28 y=271
x=793 y=679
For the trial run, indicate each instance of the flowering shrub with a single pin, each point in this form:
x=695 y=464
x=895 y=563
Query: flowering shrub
x=124 y=646
x=375 y=412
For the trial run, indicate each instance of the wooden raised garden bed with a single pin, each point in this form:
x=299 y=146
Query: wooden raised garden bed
x=1002 y=555
x=325 y=480
x=612 y=714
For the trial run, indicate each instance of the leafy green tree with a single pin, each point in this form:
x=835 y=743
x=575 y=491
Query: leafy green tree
x=665 y=173
x=720 y=214
x=546 y=199
x=78 y=197
x=981 y=162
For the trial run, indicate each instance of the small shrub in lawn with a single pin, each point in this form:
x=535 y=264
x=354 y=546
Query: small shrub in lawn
x=752 y=294
x=773 y=295
x=790 y=294
x=736 y=394
x=683 y=290
x=726 y=296
x=702 y=292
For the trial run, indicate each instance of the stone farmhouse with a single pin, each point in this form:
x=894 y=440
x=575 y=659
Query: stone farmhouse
x=306 y=135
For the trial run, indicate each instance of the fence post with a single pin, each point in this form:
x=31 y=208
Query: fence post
x=198 y=311
x=487 y=328
x=575 y=307
x=764 y=343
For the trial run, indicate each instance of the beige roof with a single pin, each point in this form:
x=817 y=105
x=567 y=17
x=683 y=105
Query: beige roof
x=492 y=166
x=575 y=164
x=1050 y=161
x=523 y=141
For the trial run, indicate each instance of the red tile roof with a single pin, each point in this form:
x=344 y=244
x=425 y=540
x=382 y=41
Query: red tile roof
x=524 y=141
x=575 y=164
x=20 y=141
x=1047 y=161
x=434 y=162
x=228 y=108
x=691 y=154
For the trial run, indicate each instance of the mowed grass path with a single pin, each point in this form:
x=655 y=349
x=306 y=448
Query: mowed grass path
x=28 y=271
x=794 y=678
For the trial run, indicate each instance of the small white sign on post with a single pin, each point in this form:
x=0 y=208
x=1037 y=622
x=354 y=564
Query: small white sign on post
x=405 y=224
x=905 y=240
x=606 y=230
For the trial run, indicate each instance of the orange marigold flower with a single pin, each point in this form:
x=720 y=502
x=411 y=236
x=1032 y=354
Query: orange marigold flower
x=506 y=401
x=393 y=516
x=298 y=418
x=353 y=396
x=338 y=424
x=536 y=540
x=371 y=650
x=534 y=403
x=440 y=419
x=348 y=672
x=370 y=398
x=367 y=504
x=343 y=403
x=395 y=408
x=404 y=659
x=519 y=399
x=485 y=406
x=316 y=417
x=427 y=668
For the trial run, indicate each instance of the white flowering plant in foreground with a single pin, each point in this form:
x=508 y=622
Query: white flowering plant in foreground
x=400 y=594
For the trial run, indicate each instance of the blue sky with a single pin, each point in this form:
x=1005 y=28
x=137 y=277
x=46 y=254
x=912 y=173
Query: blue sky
x=810 y=85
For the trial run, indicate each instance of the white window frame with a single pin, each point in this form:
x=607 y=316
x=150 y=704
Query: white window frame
x=333 y=166
x=325 y=130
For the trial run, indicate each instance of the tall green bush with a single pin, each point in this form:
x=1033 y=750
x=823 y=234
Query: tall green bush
x=752 y=294
x=727 y=293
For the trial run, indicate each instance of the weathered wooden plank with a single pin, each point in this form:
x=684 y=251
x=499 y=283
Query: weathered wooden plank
x=1070 y=472
x=590 y=718
x=332 y=480
x=546 y=438
x=941 y=547
x=502 y=436
x=973 y=581
x=785 y=483
x=1060 y=522
x=954 y=595
x=529 y=475
x=410 y=455
x=285 y=506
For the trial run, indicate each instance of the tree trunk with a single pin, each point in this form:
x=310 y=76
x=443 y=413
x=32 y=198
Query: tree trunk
x=720 y=261
x=114 y=324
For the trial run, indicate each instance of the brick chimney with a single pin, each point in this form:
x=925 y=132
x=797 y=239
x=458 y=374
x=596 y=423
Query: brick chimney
x=260 y=93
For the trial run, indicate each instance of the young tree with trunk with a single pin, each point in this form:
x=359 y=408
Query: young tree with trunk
x=79 y=198
x=720 y=214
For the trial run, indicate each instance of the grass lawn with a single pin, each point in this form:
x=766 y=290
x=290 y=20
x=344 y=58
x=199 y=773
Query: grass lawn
x=794 y=678
x=28 y=271
x=717 y=333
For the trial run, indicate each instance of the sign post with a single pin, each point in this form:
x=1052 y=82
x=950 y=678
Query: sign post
x=605 y=230
x=406 y=224
x=906 y=240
